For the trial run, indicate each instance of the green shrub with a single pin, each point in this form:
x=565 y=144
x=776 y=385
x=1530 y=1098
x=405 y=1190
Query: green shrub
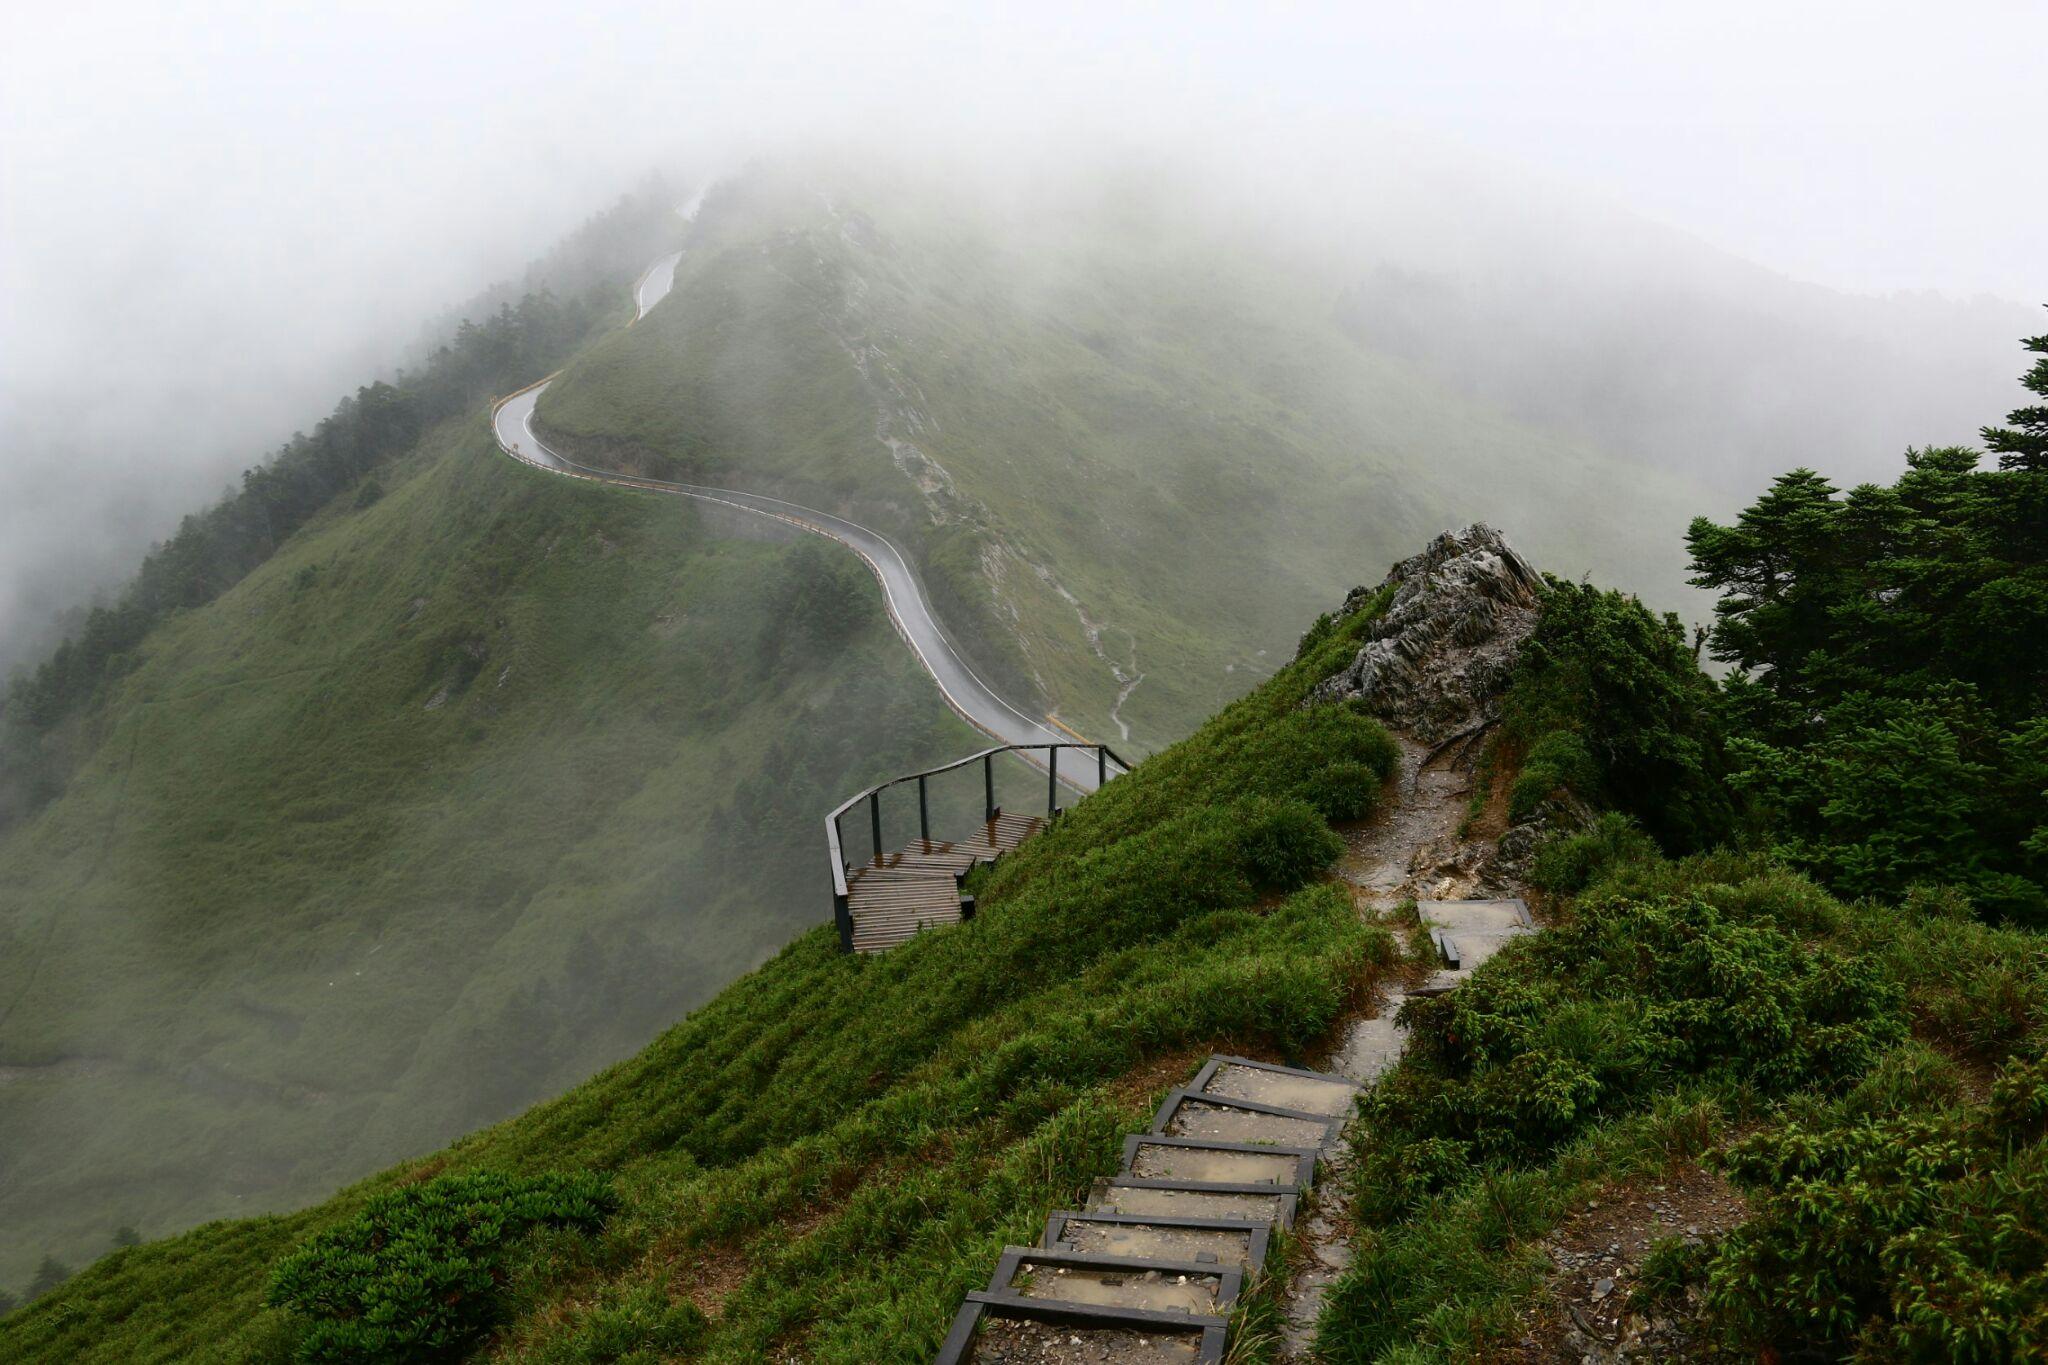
x=1922 y=1237
x=1625 y=998
x=1318 y=631
x=1396 y=1178
x=1345 y=790
x=1571 y=862
x=414 y=1276
x=1557 y=763
x=1284 y=843
x=1611 y=705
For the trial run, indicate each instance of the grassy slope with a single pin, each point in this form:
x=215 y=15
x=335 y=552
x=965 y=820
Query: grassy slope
x=832 y=1150
x=1169 y=420
x=291 y=921
x=1450 y=1258
x=1672 y=1014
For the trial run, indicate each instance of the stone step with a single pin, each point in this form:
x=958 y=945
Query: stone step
x=1308 y=1092
x=1190 y=1114
x=1467 y=933
x=1009 y=1329
x=1055 y=1275
x=1151 y=1156
x=1274 y=1205
x=1222 y=1242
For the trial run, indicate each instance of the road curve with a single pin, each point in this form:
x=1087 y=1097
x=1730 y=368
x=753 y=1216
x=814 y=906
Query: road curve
x=975 y=701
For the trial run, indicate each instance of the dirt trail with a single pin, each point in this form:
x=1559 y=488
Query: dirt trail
x=1412 y=848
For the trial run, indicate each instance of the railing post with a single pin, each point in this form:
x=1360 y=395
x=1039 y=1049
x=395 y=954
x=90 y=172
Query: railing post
x=1101 y=766
x=875 y=822
x=924 y=812
x=842 y=916
x=988 y=786
x=1052 y=780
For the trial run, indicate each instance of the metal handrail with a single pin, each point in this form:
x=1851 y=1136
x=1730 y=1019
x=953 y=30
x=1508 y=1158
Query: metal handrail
x=1104 y=756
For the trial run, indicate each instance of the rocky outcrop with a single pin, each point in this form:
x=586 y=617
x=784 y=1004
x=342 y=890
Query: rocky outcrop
x=1436 y=662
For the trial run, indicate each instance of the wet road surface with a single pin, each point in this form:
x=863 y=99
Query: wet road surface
x=975 y=700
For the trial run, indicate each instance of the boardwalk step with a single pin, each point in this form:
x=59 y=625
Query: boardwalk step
x=1274 y=1204
x=1190 y=1114
x=1149 y=1272
x=898 y=895
x=1198 y=1289
x=1310 y=1092
x=1007 y=1329
x=1152 y=1156
x=1226 y=1243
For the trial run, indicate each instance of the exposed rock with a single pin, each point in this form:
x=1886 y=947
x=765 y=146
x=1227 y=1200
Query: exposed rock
x=1436 y=662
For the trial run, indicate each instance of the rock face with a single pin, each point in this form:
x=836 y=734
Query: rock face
x=1436 y=662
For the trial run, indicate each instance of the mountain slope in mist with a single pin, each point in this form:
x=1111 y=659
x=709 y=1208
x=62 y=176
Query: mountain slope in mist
x=465 y=793
x=1121 y=419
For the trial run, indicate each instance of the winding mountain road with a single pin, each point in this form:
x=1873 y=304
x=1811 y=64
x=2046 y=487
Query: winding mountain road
x=975 y=701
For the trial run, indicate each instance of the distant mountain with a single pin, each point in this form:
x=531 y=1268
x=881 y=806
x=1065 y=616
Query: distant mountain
x=1122 y=447
x=1123 y=419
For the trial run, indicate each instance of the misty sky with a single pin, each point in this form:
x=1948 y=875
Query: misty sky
x=214 y=217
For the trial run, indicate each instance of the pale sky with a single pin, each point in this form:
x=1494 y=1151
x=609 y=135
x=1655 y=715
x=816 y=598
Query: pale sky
x=214 y=217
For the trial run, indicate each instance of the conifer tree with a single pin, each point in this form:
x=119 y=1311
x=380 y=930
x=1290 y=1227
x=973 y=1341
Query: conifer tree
x=2024 y=444
x=51 y=1273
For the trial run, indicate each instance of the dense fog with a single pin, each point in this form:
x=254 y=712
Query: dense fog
x=219 y=219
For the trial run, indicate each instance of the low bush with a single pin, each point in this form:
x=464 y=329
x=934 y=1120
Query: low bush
x=1922 y=1237
x=1570 y=862
x=1670 y=1267
x=1284 y=843
x=1627 y=997
x=1557 y=763
x=414 y=1276
x=631 y=1324
x=1608 y=703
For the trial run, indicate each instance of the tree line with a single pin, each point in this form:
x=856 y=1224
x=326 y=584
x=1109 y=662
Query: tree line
x=566 y=296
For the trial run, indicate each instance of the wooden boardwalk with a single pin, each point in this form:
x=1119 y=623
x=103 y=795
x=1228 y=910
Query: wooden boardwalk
x=1152 y=1268
x=917 y=887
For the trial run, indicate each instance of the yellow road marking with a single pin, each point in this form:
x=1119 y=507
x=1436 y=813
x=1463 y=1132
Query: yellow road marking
x=1065 y=728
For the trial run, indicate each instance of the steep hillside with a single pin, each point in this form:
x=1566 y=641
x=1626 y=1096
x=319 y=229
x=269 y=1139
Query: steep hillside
x=1705 y=1109
x=477 y=782
x=1121 y=442
x=828 y=1153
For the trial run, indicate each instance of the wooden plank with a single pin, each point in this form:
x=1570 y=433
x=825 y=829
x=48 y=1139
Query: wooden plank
x=893 y=898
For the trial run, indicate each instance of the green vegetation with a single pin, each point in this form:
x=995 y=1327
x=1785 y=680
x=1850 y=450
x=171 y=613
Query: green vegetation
x=1917 y=1236
x=213 y=549
x=1609 y=708
x=415 y=1273
x=455 y=800
x=1887 y=727
x=1826 y=1055
x=1673 y=1008
x=453 y=795
x=821 y=1181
